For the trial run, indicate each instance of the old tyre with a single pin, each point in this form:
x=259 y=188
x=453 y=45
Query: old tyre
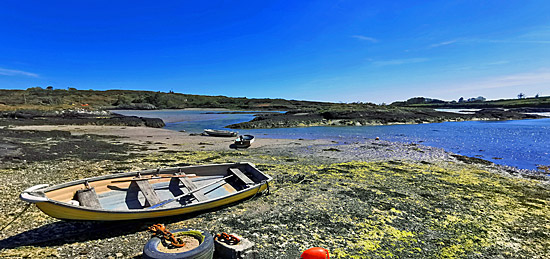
x=205 y=250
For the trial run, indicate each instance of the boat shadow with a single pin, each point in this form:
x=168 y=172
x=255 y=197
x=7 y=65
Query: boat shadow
x=66 y=232
x=233 y=146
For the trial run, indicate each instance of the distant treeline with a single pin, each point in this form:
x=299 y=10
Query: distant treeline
x=479 y=102
x=53 y=99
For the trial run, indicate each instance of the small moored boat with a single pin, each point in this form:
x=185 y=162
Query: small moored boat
x=244 y=141
x=220 y=133
x=149 y=193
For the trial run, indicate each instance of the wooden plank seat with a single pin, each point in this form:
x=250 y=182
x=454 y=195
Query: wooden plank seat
x=151 y=197
x=237 y=172
x=88 y=198
x=190 y=185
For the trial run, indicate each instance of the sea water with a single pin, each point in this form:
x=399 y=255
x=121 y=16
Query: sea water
x=523 y=144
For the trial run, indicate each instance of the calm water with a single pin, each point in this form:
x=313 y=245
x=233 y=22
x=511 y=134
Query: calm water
x=194 y=121
x=523 y=144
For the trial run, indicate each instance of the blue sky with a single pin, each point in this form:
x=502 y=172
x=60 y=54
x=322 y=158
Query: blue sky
x=340 y=51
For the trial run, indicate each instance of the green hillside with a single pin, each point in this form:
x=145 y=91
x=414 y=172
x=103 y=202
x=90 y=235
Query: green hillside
x=53 y=99
x=37 y=98
x=539 y=102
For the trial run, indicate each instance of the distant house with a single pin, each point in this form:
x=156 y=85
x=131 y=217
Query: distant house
x=477 y=99
x=421 y=100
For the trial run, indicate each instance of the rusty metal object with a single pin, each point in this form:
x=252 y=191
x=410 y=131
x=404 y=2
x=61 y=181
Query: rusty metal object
x=227 y=238
x=160 y=231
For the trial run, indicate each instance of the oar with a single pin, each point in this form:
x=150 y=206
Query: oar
x=153 y=178
x=185 y=194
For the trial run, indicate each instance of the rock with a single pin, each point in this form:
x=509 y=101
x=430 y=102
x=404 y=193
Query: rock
x=373 y=116
x=332 y=149
x=531 y=109
x=153 y=122
x=241 y=250
x=72 y=117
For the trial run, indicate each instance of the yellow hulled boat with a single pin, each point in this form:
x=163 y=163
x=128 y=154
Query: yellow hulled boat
x=149 y=193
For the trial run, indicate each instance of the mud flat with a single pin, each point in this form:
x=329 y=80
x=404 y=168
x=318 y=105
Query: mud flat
x=155 y=139
x=365 y=199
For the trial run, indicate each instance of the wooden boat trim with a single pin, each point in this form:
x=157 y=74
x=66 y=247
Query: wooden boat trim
x=199 y=195
x=241 y=176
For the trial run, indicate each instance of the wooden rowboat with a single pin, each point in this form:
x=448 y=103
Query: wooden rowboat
x=244 y=141
x=149 y=193
x=220 y=133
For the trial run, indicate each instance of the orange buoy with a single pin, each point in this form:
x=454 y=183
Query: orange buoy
x=315 y=253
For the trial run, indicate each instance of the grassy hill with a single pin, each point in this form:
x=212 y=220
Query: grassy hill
x=538 y=102
x=37 y=98
x=56 y=99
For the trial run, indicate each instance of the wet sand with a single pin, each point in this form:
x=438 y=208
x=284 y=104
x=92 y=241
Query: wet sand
x=172 y=140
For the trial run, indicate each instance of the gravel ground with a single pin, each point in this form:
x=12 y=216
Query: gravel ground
x=374 y=199
x=369 y=150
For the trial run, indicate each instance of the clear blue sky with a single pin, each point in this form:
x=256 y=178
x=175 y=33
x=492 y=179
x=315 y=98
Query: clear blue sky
x=369 y=51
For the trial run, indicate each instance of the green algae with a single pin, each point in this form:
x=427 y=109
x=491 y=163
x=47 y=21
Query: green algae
x=413 y=210
x=30 y=252
x=389 y=209
x=356 y=210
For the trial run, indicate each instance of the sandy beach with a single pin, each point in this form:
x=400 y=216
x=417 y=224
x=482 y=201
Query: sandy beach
x=164 y=139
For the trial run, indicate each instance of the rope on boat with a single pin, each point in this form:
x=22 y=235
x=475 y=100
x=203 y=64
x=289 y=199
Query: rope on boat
x=260 y=187
x=16 y=216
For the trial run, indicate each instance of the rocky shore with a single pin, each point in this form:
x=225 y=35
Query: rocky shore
x=378 y=116
x=369 y=199
x=74 y=117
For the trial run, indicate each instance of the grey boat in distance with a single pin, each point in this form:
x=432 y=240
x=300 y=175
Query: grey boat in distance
x=220 y=133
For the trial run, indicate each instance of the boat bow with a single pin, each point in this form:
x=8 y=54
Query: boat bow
x=33 y=194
